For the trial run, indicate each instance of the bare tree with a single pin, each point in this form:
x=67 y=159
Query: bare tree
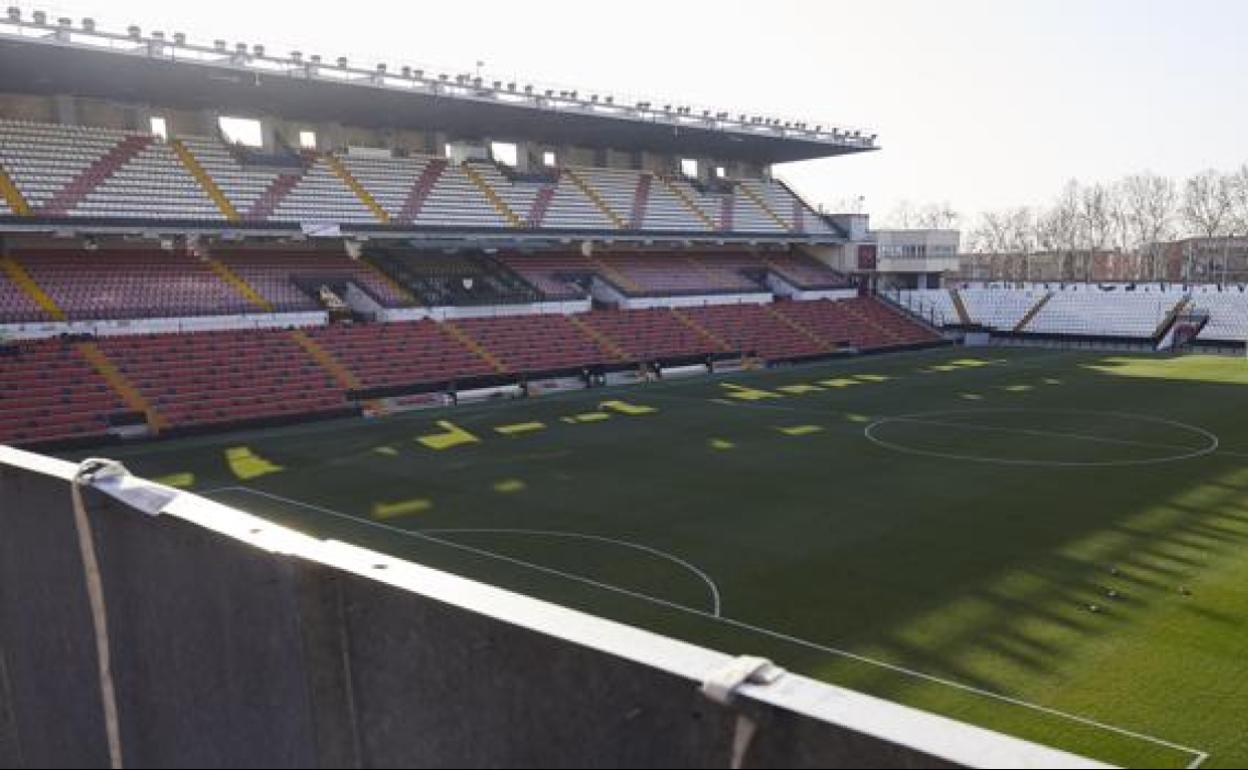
x=1238 y=187
x=902 y=216
x=1096 y=218
x=938 y=216
x=1208 y=203
x=1207 y=210
x=1065 y=226
x=1150 y=203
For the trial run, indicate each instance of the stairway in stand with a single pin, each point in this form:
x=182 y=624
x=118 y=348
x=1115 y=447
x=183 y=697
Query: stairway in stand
x=420 y=191
x=69 y=196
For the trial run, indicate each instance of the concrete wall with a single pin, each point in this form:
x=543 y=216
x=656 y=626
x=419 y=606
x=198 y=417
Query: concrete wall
x=225 y=656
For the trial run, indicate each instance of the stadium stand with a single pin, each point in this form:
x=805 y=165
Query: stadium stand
x=96 y=172
x=127 y=283
x=283 y=276
x=402 y=354
x=49 y=392
x=16 y=304
x=653 y=334
x=225 y=377
x=1228 y=312
x=757 y=330
x=536 y=344
x=440 y=279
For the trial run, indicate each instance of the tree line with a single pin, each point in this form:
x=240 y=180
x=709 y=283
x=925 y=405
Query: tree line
x=1135 y=215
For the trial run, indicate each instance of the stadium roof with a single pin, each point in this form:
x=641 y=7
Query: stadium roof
x=39 y=56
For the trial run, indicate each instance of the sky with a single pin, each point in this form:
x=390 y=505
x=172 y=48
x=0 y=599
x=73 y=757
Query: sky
x=983 y=104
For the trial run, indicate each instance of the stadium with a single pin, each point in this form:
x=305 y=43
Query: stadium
x=499 y=424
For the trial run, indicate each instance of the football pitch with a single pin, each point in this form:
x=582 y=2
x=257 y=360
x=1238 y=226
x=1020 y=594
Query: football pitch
x=1051 y=544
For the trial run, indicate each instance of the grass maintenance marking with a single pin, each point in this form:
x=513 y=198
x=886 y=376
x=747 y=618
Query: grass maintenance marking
x=401 y=508
x=799 y=389
x=743 y=393
x=1197 y=756
x=970 y=397
x=873 y=377
x=1178 y=453
x=1016 y=388
x=623 y=407
x=247 y=465
x=800 y=430
x=839 y=382
x=387 y=451
x=453 y=437
x=509 y=486
x=587 y=417
x=518 y=428
x=178 y=480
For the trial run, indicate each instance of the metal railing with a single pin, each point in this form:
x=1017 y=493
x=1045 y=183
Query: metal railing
x=300 y=651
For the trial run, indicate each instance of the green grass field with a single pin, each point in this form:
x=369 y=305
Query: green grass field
x=929 y=527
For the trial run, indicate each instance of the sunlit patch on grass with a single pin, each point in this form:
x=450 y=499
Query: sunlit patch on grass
x=1224 y=370
x=839 y=382
x=721 y=445
x=387 y=451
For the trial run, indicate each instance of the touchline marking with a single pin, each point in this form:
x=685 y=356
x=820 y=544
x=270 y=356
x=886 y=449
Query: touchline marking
x=424 y=535
x=1198 y=756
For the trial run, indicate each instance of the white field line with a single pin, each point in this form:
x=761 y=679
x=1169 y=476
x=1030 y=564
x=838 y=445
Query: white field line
x=1187 y=453
x=1198 y=756
x=716 y=603
x=798 y=409
x=712 y=588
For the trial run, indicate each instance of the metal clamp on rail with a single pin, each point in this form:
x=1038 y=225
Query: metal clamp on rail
x=721 y=686
x=112 y=478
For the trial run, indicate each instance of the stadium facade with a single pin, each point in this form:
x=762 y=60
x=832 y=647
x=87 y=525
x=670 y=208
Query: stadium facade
x=204 y=238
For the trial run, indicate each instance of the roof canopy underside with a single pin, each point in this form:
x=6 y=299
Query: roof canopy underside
x=38 y=67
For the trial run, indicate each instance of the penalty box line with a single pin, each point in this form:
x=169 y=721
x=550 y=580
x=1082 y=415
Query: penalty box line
x=1198 y=757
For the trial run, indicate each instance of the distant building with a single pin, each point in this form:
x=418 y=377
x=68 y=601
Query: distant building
x=1207 y=260
x=905 y=259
